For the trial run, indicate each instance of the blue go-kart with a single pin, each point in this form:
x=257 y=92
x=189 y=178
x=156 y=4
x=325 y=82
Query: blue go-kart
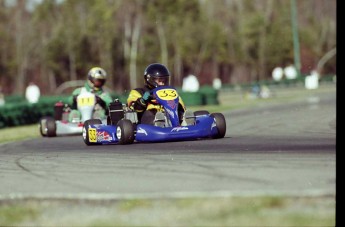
x=123 y=127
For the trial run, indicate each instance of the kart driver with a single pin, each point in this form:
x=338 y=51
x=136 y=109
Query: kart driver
x=96 y=79
x=141 y=99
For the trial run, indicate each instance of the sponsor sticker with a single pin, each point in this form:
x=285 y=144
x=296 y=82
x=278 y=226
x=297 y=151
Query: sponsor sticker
x=92 y=135
x=171 y=113
x=167 y=94
x=213 y=124
x=86 y=101
x=141 y=130
x=177 y=129
x=104 y=136
x=172 y=104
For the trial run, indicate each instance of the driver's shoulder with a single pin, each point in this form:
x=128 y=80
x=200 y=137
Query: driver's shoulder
x=141 y=90
x=76 y=91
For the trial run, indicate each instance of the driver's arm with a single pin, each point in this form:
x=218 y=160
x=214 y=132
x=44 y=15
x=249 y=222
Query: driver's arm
x=106 y=98
x=182 y=104
x=73 y=98
x=181 y=109
x=135 y=101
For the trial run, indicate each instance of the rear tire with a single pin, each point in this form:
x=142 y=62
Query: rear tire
x=42 y=126
x=220 y=124
x=125 y=131
x=86 y=136
x=47 y=126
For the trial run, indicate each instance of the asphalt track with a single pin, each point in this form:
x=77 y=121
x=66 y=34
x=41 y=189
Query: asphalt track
x=281 y=149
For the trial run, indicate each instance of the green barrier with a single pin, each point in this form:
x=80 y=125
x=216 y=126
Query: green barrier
x=191 y=98
x=327 y=78
x=14 y=98
x=17 y=112
x=209 y=95
x=12 y=114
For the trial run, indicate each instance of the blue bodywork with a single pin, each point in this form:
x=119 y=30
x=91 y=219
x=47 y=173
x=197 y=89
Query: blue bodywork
x=204 y=127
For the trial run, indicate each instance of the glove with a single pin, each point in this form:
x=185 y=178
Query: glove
x=100 y=101
x=146 y=97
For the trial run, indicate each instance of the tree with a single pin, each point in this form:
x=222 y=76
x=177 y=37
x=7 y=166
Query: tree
x=238 y=41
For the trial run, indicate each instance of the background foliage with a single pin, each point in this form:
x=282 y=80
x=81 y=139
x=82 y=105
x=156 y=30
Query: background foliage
x=53 y=41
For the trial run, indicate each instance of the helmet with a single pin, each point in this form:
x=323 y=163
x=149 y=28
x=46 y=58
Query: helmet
x=97 y=77
x=156 y=75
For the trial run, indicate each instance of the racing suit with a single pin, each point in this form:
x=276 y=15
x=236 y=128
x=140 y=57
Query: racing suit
x=103 y=100
x=146 y=111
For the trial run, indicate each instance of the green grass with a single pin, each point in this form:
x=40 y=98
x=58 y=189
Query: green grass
x=16 y=213
x=219 y=211
x=18 y=133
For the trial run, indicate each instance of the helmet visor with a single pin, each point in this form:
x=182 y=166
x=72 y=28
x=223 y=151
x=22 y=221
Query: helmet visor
x=160 y=81
x=98 y=82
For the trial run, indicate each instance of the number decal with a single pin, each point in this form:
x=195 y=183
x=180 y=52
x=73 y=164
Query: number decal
x=92 y=135
x=86 y=101
x=167 y=94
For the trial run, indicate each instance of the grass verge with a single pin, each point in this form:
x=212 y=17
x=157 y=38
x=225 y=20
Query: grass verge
x=19 y=133
x=224 y=211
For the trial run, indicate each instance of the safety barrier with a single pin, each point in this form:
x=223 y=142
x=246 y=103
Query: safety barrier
x=20 y=112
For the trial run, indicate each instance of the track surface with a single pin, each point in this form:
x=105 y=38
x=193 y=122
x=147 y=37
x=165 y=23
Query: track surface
x=285 y=149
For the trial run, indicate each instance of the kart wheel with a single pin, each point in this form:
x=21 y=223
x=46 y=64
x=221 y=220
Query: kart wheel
x=201 y=112
x=125 y=131
x=42 y=126
x=86 y=135
x=48 y=126
x=220 y=124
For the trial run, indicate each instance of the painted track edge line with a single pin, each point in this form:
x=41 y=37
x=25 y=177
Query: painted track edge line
x=172 y=195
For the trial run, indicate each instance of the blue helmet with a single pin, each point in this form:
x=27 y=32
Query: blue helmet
x=155 y=72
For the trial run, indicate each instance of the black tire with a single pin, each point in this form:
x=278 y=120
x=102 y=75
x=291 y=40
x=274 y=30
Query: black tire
x=220 y=124
x=42 y=123
x=50 y=127
x=86 y=126
x=125 y=131
x=201 y=112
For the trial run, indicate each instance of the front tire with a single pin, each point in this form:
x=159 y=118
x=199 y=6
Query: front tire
x=86 y=134
x=220 y=124
x=125 y=131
